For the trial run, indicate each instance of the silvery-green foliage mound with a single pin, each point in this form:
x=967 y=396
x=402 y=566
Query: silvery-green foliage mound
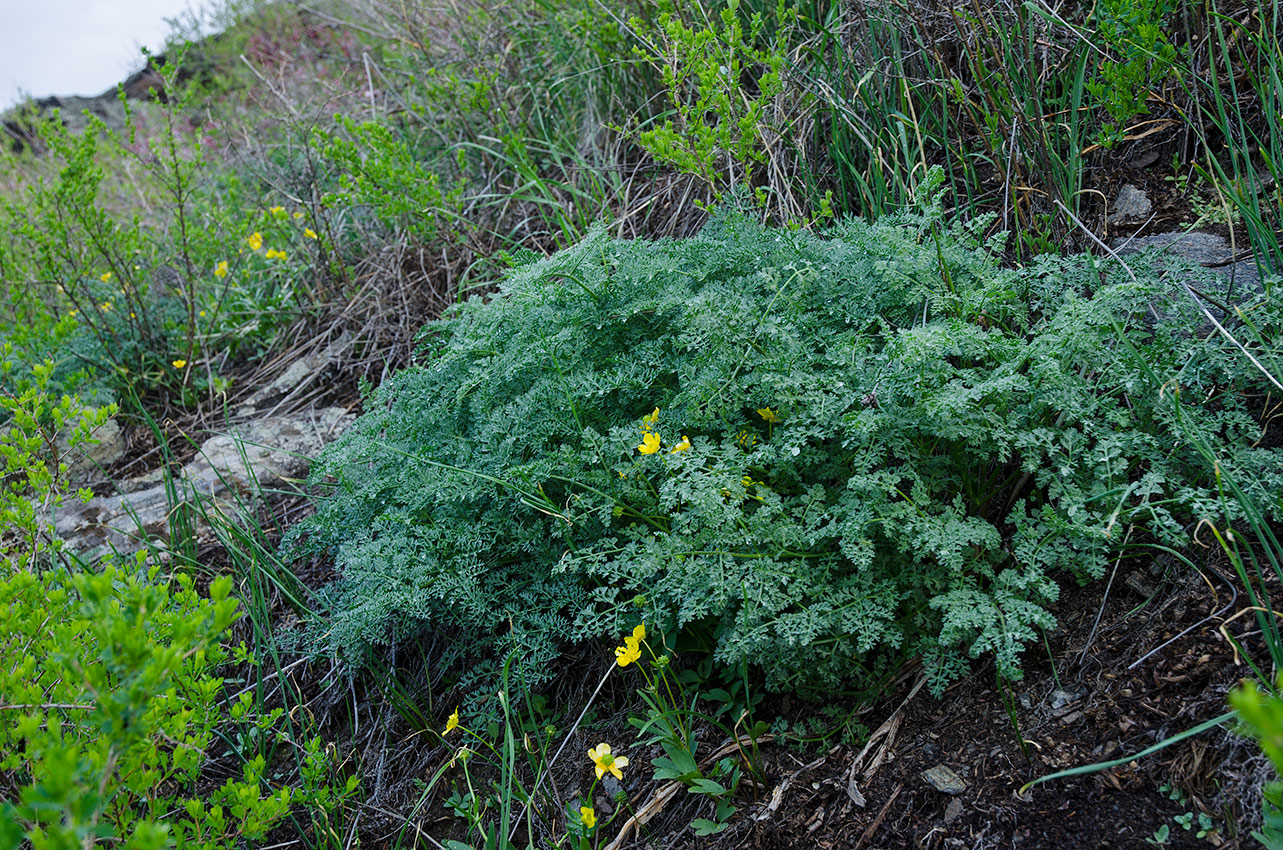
x=894 y=447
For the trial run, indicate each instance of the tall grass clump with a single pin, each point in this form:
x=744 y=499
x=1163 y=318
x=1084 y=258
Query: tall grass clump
x=1032 y=111
x=814 y=454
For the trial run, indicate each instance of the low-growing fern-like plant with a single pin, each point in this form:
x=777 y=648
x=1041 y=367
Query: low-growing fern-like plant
x=814 y=453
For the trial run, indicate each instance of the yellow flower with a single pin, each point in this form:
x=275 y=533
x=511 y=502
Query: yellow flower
x=628 y=653
x=682 y=446
x=452 y=723
x=649 y=444
x=309 y=233
x=220 y=270
x=649 y=422
x=769 y=415
x=298 y=215
x=605 y=762
x=587 y=816
x=179 y=363
x=105 y=306
x=273 y=254
x=255 y=241
x=202 y=314
x=277 y=212
x=105 y=276
x=639 y=632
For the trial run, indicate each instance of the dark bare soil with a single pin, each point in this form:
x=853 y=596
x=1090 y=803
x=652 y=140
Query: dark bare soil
x=1099 y=697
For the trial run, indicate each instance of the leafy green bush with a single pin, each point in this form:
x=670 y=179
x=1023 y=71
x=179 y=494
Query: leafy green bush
x=719 y=129
x=1134 y=31
x=135 y=265
x=868 y=444
x=109 y=698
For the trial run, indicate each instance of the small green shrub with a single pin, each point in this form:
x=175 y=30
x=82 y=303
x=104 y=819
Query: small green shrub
x=381 y=173
x=868 y=444
x=109 y=693
x=121 y=253
x=720 y=125
x=1140 y=58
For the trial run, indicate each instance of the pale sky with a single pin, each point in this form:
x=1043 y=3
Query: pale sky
x=76 y=46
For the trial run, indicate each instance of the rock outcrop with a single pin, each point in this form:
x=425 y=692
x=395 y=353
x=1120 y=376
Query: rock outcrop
x=228 y=474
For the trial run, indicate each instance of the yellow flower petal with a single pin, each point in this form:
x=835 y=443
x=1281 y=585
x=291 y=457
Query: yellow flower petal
x=179 y=363
x=605 y=762
x=649 y=444
x=681 y=446
x=220 y=270
x=105 y=276
x=769 y=415
x=587 y=816
x=309 y=233
x=255 y=241
x=639 y=632
x=627 y=654
x=452 y=723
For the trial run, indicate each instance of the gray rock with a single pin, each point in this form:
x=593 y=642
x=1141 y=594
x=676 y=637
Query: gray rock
x=297 y=376
x=944 y=780
x=1239 y=275
x=230 y=471
x=84 y=461
x=953 y=811
x=1131 y=205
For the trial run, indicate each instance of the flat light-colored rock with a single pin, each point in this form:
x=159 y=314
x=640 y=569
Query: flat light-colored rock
x=1238 y=272
x=230 y=471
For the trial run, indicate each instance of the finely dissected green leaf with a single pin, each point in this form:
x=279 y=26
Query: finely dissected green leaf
x=895 y=446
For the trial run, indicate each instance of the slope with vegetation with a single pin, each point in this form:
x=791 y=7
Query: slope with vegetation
x=756 y=339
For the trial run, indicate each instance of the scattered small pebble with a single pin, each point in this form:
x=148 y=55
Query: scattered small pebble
x=1060 y=699
x=953 y=811
x=944 y=780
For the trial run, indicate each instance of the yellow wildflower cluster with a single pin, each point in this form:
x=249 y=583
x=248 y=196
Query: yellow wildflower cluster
x=273 y=254
x=631 y=650
x=650 y=436
x=255 y=241
x=607 y=762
